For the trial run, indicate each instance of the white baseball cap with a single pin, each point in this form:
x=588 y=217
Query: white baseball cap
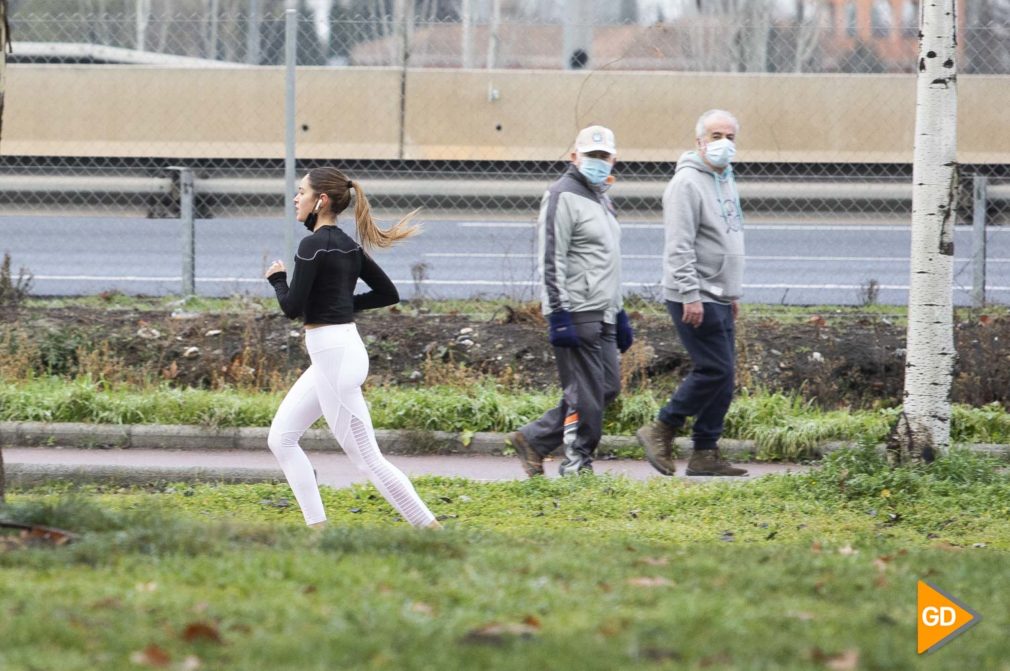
x=595 y=138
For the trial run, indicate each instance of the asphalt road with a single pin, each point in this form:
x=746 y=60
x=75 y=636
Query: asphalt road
x=790 y=263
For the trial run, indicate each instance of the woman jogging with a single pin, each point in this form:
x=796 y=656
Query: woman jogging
x=327 y=267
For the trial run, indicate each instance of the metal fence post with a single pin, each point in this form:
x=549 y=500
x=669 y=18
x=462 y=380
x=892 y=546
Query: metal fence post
x=404 y=25
x=290 y=54
x=188 y=222
x=978 y=250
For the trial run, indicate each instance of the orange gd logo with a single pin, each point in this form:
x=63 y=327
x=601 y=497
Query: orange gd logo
x=941 y=617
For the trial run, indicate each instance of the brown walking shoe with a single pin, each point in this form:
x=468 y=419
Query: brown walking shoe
x=531 y=461
x=710 y=462
x=657 y=441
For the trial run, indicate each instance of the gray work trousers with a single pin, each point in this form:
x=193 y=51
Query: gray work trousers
x=590 y=380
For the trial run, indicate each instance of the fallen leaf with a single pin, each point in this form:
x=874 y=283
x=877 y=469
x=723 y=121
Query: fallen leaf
x=532 y=620
x=801 y=615
x=645 y=581
x=842 y=661
x=191 y=663
x=201 y=631
x=656 y=654
x=846 y=661
x=152 y=655
x=112 y=602
x=496 y=633
x=847 y=551
x=422 y=608
x=654 y=561
x=34 y=534
x=610 y=629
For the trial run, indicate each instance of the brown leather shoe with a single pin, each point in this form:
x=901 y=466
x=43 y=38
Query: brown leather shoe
x=531 y=461
x=710 y=462
x=657 y=441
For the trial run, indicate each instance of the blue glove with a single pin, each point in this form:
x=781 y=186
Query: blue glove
x=562 y=331
x=625 y=334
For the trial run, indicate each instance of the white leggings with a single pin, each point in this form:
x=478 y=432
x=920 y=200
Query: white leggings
x=331 y=387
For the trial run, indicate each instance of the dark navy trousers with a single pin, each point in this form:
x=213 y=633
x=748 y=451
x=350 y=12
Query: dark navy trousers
x=707 y=391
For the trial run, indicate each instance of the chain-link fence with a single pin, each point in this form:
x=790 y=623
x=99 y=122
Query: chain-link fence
x=467 y=108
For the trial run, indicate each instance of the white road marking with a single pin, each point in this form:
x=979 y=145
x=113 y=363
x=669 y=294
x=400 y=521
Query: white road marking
x=798 y=259
x=897 y=228
x=483 y=283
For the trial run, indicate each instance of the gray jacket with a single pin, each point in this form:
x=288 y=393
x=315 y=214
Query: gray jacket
x=579 y=249
x=703 y=258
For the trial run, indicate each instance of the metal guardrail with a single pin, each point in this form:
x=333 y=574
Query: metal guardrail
x=526 y=188
x=84 y=52
x=184 y=187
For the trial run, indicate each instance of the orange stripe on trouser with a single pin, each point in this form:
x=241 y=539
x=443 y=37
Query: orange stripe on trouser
x=571 y=428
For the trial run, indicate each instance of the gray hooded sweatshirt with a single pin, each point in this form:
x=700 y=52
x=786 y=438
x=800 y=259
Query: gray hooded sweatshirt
x=703 y=257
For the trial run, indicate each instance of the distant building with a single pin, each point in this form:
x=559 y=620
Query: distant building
x=875 y=35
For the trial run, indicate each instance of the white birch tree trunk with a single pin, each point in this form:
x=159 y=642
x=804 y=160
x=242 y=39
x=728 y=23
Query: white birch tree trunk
x=4 y=42
x=923 y=430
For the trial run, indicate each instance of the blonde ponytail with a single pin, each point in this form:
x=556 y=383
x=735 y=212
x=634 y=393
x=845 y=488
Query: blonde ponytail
x=369 y=234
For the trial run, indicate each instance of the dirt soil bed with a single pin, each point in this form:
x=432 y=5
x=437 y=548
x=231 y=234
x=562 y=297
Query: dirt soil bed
x=848 y=361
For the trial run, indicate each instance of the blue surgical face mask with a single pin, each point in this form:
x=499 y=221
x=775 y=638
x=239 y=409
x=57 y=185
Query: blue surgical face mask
x=595 y=170
x=720 y=152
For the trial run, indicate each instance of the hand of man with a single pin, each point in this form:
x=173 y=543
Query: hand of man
x=736 y=309
x=694 y=313
x=275 y=267
x=562 y=330
x=625 y=334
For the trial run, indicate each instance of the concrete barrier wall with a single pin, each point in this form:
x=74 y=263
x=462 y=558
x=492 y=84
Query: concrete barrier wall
x=355 y=113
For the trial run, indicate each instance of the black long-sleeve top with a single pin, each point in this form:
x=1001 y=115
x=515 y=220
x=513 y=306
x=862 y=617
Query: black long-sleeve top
x=327 y=268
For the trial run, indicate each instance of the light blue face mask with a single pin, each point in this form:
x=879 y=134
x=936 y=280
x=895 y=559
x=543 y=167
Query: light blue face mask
x=595 y=170
x=720 y=152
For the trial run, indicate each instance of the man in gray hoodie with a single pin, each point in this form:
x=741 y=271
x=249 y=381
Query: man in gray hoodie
x=702 y=284
x=579 y=259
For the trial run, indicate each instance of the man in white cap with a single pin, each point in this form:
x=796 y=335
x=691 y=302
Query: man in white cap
x=579 y=259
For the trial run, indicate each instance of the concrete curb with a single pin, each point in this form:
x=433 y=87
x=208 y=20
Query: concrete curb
x=177 y=437
x=23 y=476
x=180 y=437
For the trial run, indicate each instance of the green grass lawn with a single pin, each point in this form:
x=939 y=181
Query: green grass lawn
x=815 y=571
x=781 y=426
